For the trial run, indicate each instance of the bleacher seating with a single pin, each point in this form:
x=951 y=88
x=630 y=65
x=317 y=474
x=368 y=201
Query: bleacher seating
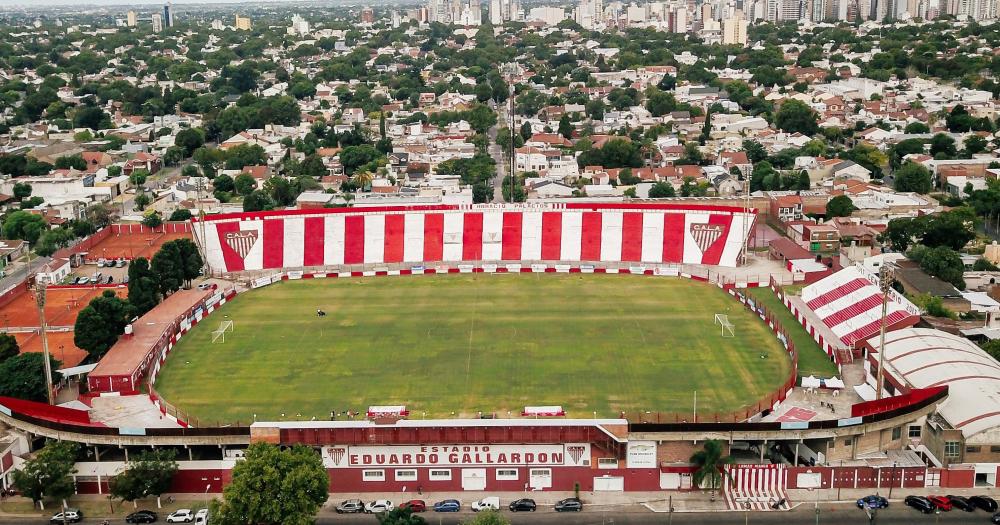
x=849 y=302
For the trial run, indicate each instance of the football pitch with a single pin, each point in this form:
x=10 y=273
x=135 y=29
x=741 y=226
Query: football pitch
x=454 y=345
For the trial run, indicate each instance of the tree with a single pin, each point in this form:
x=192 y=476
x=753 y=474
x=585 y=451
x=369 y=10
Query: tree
x=49 y=473
x=975 y=144
x=839 y=206
x=917 y=128
x=189 y=259
x=401 y=516
x=526 y=131
x=273 y=485
x=24 y=225
x=180 y=215
x=168 y=267
x=52 y=240
x=913 y=177
x=189 y=140
x=709 y=463
x=796 y=117
x=22 y=190
x=138 y=178
x=257 y=200
x=23 y=376
x=755 y=150
x=565 y=127
x=941 y=262
x=660 y=103
x=223 y=183
x=148 y=473
x=8 y=347
x=143 y=293
x=981 y=265
x=74 y=162
x=141 y=201
x=152 y=220
x=943 y=145
x=100 y=323
x=661 y=190
x=245 y=155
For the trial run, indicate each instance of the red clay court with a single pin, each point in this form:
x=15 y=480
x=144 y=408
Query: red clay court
x=62 y=305
x=126 y=245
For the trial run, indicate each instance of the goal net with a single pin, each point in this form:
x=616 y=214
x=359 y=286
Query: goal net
x=219 y=336
x=727 y=327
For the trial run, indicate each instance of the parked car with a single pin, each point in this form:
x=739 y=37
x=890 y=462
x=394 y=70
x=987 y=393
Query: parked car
x=68 y=515
x=961 y=503
x=873 y=501
x=102 y=262
x=206 y=286
x=940 y=502
x=82 y=280
x=569 y=505
x=350 y=506
x=121 y=264
x=379 y=505
x=200 y=517
x=414 y=505
x=141 y=516
x=984 y=502
x=523 y=504
x=487 y=503
x=995 y=518
x=448 y=505
x=920 y=503
x=181 y=516
x=111 y=279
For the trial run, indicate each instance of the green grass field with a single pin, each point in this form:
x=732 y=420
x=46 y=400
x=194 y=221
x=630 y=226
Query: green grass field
x=458 y=344
x=812 y=359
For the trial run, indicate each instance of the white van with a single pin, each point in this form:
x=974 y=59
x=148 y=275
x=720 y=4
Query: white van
x=487 y=503
x=201 y=517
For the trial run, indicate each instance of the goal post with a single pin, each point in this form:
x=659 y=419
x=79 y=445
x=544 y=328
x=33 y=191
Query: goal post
x=219 y=336
x=727 y=327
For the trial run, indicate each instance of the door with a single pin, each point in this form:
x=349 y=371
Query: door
x=670 y=480
x=473 y=479
x=609 y=484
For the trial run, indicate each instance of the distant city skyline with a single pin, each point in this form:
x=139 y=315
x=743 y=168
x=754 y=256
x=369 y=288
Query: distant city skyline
x=125 y=3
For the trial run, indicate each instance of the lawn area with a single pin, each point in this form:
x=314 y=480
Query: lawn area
x=812 y=359
x=459 y=344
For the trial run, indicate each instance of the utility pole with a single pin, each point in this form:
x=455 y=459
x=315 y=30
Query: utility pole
x=885 y=283
x=40 y=287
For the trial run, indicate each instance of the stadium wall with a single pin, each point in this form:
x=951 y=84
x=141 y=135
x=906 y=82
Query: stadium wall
x=572 y=232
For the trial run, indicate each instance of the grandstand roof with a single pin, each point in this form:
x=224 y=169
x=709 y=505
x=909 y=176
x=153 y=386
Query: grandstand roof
x=923 y=357
x=850 y=303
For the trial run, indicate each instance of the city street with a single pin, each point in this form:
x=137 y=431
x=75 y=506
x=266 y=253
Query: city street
x=635 y=516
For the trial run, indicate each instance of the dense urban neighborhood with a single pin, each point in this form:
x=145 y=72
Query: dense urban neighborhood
x=283 y=261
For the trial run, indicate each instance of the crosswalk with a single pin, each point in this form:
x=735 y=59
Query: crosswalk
x=755 y=487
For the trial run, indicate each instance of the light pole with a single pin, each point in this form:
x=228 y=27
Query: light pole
x=885 y=283
x=892 y=480
x=40 y=287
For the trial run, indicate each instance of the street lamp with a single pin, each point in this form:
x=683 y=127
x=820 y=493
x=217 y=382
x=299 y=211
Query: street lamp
x=40 y=287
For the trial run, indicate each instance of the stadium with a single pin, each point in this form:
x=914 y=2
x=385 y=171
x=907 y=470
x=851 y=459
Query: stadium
x=492 y=347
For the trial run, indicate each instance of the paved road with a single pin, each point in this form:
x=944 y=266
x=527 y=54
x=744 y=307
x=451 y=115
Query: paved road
x=635 y=516
x=497 y=153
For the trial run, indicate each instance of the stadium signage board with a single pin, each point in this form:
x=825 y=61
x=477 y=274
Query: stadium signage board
x=571 y=455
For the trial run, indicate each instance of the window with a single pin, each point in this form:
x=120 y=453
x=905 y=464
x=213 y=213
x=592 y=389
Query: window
x=951 y=449
x=913 y=431
x=506 y=474
x=541 y=472
x=994 y=448
x=440 y=475
x=848 y=442
x=897 y=433
x=373 y=475
x=607 y=462
x=972 y=449
x=406 y=475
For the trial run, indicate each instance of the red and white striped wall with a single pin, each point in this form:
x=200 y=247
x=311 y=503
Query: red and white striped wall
x=688 y=234
x=755 y=487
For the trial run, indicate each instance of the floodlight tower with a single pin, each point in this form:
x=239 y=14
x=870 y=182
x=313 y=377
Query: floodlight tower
x=40 y=288
x=885 y=276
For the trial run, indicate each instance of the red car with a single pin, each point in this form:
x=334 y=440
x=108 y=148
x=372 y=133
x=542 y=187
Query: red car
x=941 y=502
x=414 y=505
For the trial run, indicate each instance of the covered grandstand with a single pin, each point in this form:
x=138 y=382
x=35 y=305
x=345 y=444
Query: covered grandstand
x=925 y=358
x=849 y=304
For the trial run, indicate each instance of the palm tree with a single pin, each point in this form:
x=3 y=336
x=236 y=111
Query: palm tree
x=710 y=463
x=362 y=179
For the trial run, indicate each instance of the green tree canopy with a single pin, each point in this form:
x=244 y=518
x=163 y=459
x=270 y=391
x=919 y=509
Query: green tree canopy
x=143 y=291
x=24 y=225
x=272 y=485
x=913 y=177
x=795 y=116
x=49 y=473
x=839 y=206
x=100 y=323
